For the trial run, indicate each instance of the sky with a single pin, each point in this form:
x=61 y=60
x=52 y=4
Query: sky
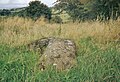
x=7 y=4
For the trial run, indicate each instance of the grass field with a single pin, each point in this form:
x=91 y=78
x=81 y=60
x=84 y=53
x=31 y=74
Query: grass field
x=98 y=51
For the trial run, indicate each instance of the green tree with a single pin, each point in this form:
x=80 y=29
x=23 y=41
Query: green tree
x=73 y=7
x=37 y=9
x=5 y=12
x=107 y=9
x=77 y=9
x=90 y=9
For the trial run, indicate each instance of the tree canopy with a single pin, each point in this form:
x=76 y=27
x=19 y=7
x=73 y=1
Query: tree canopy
x=107 y=9
x=90 y=9
x=5 y=12
x=37 y=9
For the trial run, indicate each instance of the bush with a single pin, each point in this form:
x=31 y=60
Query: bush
x=56 y=19
x=5 y=12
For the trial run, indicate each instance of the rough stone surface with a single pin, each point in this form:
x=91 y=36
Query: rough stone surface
x=60 y=53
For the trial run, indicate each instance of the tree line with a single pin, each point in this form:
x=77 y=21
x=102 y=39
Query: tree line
x=35 y=10
x=90 y=9
x=80 y=10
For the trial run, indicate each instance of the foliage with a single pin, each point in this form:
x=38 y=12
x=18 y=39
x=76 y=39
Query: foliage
x=37 y=9
x=5 y=12
x=107 y=9
x=73 y=7
x=90 y=9
x=56 y=19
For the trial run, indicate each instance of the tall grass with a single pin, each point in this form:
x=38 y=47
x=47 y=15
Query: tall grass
x=98 y=51
x=17 y=31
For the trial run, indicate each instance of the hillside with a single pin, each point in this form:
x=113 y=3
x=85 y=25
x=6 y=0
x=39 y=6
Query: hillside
x=17 y=9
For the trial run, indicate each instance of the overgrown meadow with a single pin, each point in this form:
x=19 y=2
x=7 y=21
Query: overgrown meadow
x=97 y=44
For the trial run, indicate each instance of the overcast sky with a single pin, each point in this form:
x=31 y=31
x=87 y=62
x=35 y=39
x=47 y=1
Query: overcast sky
x=21 y=3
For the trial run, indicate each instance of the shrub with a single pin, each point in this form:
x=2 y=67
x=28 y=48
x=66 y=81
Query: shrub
x=56 y=19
